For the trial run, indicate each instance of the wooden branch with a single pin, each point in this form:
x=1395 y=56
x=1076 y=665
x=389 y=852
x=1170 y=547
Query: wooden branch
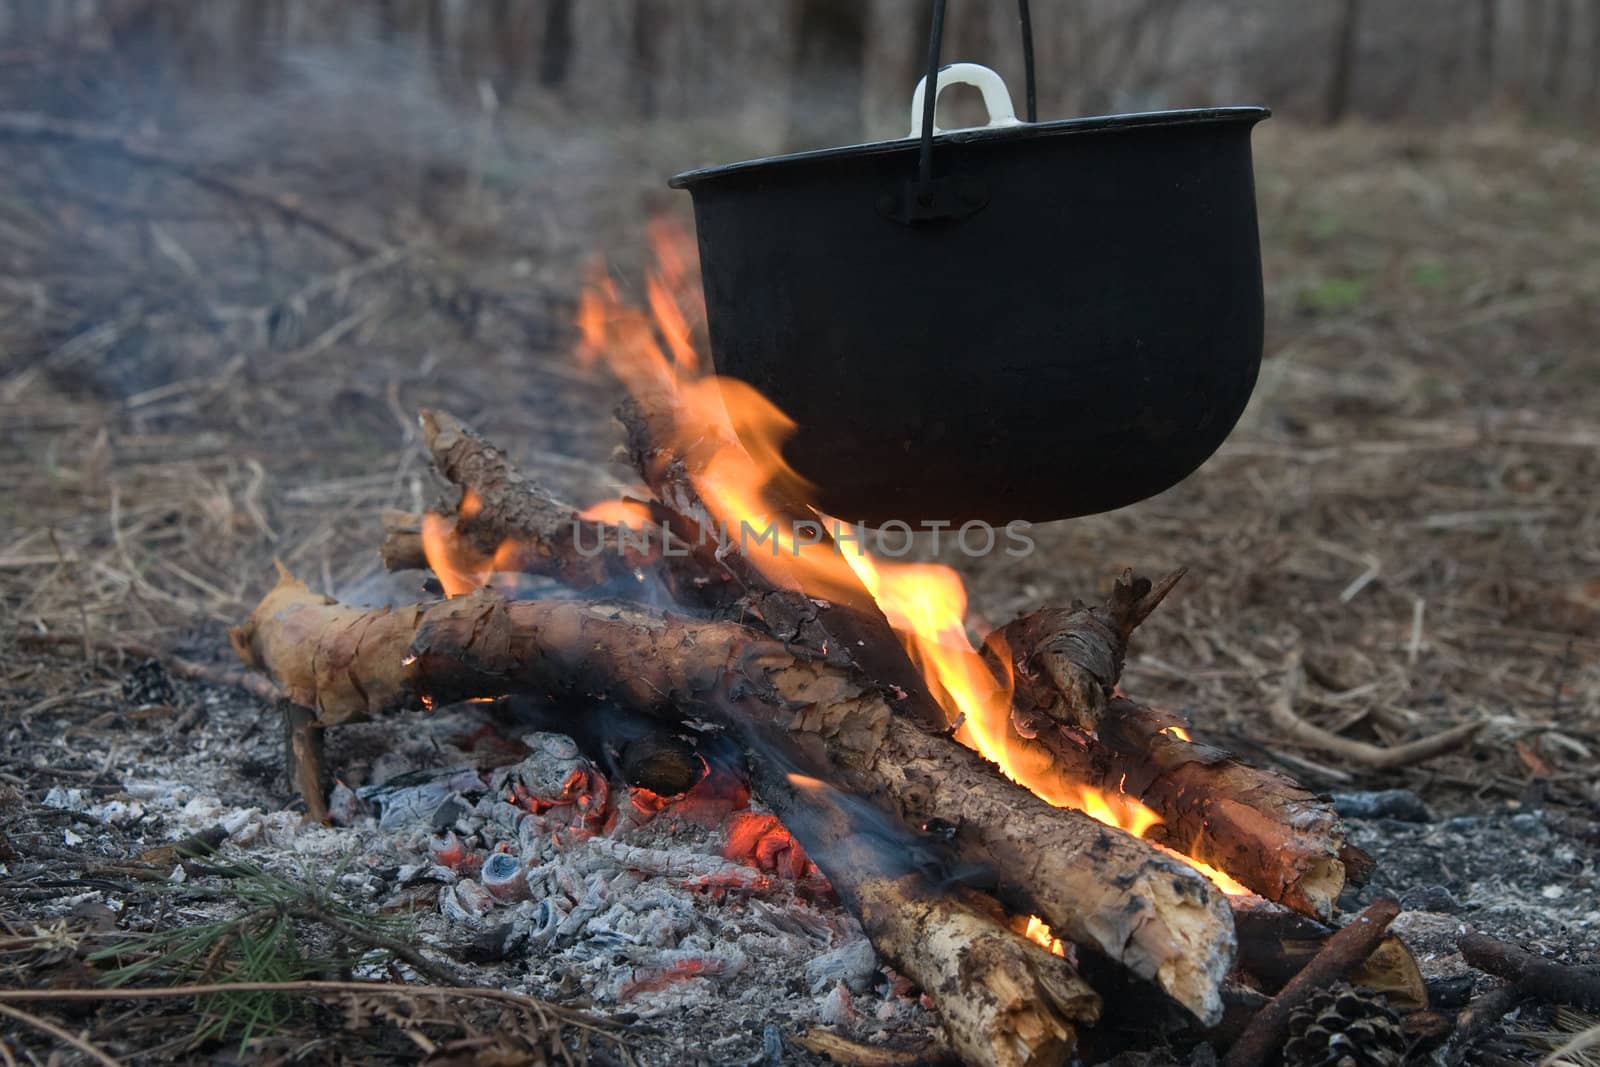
x=1344 y=951
x=1375 y=757
x=401 y=548
x=1005 y=1001
x=1276 y=944
x=1276 y=838
x=1065 y=662
x=515 y=525
x=303 y=742
x=1140 y=908
x=1280 y=840
x=1536 y=976
x=847 y=628
x=1483 y=1012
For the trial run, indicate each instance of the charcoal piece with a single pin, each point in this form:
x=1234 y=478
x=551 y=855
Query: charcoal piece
x=147 y=682
x=1399 y=804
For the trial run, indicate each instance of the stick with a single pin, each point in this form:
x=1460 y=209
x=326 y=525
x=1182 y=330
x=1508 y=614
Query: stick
x=1344 y=951
x=1534 y=975
x=1067 y=661
x=231 y=677
x=1276 y=838
x=45 y=1026
x=307 y=770
x=1005 y=1001
x=441 y=973
x=1477 y=1017
x=515 y=525
x=1375 y=757
x=1135 y=905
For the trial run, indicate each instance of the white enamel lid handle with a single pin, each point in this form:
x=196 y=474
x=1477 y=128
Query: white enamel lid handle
x=996 y=97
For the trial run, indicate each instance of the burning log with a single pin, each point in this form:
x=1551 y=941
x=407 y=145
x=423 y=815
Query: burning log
x=507 y=522
x=846 y=629
x=1278 y=839
x=1274 y=837
x=1093 y=884
x=1067 y=661
x=1005 y=1000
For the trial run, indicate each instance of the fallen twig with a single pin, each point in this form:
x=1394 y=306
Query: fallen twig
x=1534 y=975
x=850 y=1053
x=1344 y=952
x=232 y=677
x=439 y=972
x=1377 y=757
x=1477 y=1017
x=45 y=1026
x=315 y=987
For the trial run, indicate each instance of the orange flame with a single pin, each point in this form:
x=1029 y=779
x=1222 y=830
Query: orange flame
x=735 y=436
x=1039 y=933
x=618 y=512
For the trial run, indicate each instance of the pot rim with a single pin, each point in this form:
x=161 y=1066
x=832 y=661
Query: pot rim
x=1025 y=131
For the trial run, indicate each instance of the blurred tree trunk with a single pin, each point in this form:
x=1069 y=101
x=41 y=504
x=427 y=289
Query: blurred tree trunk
x=644 y=73
x=827 y=76
x=1594 y=56
x=1344 y=61
x=555 y=51
x=1486 y=34
x=1533 y=26
x=1555 y=65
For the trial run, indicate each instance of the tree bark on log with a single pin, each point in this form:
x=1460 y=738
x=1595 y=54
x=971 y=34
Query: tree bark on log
x=507 y=522
x=1005 y=1000
x=1276 y=838
x=1094 y=885
x=846 y=629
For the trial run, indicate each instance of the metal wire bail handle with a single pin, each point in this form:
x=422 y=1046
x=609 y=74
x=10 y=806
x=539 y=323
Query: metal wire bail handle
x=927 y=198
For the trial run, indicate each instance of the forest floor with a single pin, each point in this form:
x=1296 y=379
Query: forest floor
x=196 y=380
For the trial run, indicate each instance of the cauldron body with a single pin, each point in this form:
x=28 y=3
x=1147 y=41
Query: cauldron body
x=1069 y=320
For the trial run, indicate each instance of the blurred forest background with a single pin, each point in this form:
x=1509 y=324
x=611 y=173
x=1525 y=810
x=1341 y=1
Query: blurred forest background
x=812 y=72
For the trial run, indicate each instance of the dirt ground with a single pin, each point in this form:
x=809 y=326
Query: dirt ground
x=196 y=379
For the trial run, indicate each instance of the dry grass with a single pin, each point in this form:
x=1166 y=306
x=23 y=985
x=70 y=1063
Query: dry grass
x=190 y=387
x=1408 y=502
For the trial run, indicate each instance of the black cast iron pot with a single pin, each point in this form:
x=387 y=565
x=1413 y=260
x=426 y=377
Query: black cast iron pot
x=1031 y=321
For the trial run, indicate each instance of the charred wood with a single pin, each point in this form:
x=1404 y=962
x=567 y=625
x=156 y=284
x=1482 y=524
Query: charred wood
x=1067 y=661
x=1276 y=838
x=1093 y=884
x=661 y=762
x=1344 y=952
x=1534 y=975
x=1005 y=1001
x=1276 y=944
x=848 y=629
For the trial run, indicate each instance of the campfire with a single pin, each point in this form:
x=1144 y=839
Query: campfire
x=1006 y=824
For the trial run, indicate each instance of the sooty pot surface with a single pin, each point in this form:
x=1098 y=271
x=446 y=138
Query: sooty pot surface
x=1074 y=323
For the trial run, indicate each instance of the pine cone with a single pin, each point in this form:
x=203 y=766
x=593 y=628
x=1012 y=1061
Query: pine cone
x=1344 y=1027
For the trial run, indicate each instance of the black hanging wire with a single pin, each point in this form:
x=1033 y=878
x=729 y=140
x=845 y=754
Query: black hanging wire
x=930 y=93
x=1027 y=59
